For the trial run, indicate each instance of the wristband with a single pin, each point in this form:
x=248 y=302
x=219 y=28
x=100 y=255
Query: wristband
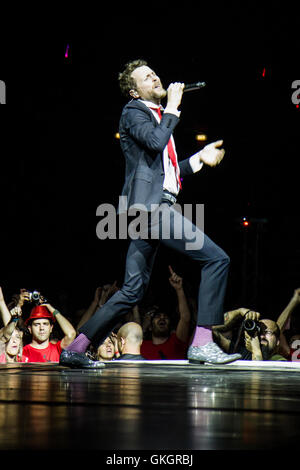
x=55 y=313
x=14 y=319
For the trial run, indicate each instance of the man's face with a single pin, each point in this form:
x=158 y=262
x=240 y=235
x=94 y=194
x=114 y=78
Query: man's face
x=160 y=325
x=267 y=336
x=148 y=85
x=106 y=350
x=41 y=329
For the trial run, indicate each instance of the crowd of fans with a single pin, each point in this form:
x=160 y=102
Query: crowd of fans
x=143 y=334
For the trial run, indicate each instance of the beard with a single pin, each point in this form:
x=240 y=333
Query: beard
x=163 y=93
x=266 y=351
x=160 y=332
x=159 y=93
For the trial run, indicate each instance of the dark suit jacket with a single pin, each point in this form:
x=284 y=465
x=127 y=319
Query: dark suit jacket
x=143 y=140
x=131 y=357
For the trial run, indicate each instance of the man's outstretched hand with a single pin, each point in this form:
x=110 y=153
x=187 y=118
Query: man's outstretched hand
x=211 y=155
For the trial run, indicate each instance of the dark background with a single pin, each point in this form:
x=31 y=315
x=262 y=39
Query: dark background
x=60 y=159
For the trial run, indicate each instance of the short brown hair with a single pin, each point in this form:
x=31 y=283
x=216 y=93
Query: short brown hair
x=126 y=81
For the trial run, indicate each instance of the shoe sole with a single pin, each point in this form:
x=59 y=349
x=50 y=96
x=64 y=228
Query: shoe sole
x=196 y=361
x=82 y=366
x=201 y=361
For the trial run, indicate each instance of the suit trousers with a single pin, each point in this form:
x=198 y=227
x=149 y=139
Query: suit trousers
x=177 y=232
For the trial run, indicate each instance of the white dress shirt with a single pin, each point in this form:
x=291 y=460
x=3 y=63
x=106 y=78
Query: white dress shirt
x=170 y=181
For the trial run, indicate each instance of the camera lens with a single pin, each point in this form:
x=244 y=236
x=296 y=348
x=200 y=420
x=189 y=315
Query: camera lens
x=250 y=326
x=35 y=296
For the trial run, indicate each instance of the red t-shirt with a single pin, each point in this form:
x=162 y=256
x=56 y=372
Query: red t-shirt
x=49 y=354
x=173 y=348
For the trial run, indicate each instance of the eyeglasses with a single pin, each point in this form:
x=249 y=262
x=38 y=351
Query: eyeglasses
x=268 y=333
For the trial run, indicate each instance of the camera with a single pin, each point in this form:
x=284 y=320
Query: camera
x=36 y=298
x=251 y=326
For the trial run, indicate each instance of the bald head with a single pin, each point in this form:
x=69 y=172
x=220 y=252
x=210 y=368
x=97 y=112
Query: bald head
x=132 y=332
x=130 y=338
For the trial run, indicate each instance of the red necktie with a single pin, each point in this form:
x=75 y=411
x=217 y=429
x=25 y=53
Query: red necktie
x=171 y=152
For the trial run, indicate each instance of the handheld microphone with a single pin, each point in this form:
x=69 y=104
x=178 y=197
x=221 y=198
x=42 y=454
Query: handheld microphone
x=194 y=86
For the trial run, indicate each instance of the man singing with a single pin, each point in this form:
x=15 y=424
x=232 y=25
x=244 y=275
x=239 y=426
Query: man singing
x=153 y=179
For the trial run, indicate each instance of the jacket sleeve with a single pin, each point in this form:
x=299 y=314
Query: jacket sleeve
x=185 y=167
x=139 y=125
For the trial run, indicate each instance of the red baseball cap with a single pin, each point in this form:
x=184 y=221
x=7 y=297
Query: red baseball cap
x=39 y=311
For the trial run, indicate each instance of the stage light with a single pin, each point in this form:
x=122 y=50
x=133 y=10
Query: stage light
x=245 y=222
x=67 y=52
x=201 y=137
x=117 y=135
x=264 y=72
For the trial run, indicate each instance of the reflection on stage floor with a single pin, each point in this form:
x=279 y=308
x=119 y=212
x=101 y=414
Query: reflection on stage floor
x=138 y=406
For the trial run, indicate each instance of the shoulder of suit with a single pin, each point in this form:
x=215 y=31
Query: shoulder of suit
x=136 y=104
x=133 y=107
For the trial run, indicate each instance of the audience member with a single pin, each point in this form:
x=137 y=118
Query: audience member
x=11 y=344
x=108 y=350
x=165 y=344
x=290 y=329
x=40 y=325
x=259 y=341
x=130 y=338
x=265 y=345
x=14 y=308
x=270 y=341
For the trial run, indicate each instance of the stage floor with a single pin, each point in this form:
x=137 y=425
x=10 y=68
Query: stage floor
x=164 y=405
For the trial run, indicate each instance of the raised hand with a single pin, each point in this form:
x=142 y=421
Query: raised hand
x=296 y=296
x=211 y=155
x=175 y=91
x=175 y=280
